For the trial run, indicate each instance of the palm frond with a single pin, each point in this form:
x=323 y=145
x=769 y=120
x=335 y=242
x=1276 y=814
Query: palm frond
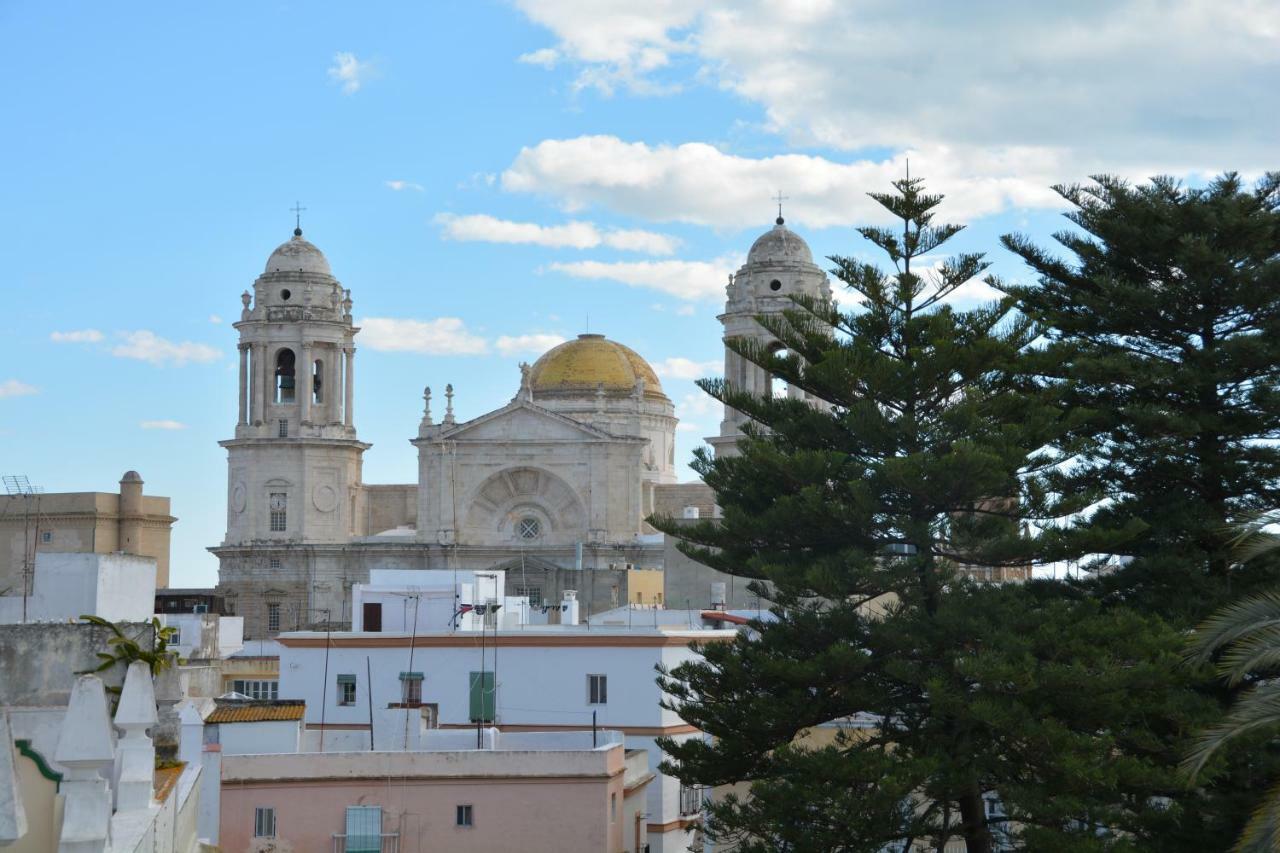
x=1262 y=832
x=1255 y=709
x=1249 y=615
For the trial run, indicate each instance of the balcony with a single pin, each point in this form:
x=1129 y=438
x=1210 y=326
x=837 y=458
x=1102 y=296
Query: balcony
x=387 y=842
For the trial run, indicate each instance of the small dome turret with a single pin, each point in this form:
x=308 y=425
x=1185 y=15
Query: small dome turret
x=779 y=243
x=297 y=255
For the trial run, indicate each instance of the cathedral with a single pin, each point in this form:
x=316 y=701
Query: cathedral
x=553 y=488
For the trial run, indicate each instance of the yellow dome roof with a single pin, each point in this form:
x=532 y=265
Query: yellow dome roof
x=580 y=366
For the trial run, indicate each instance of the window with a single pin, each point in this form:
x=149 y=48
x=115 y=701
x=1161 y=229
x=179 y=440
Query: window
x=257 y=688
x=411 y=688
x=597 y=690
x=46 y=536
x=464 y=816
x=372 y=613
x=175 y=639
x=284 y=374
x=273 y=616
x=229 y=608
x=264 y=823
x=775 y=285
x=279 y=507
x=346 y=690
x=481 y=684
x=364 y=829
x=282 y=428
x=317 y=382
x=274 y=562
x=528 y=528
x=690 y=800
x=533 y=593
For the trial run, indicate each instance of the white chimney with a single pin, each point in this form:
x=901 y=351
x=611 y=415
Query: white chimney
x=569 y=607
x=691 y=512
x=718 y=596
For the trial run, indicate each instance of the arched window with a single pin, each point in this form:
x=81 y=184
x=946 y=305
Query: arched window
x=317 y=382
x=284 y=376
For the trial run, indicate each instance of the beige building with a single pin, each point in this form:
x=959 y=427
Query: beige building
x=127 y=521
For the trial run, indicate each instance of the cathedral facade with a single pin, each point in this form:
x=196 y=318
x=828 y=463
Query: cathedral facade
x=553 y=488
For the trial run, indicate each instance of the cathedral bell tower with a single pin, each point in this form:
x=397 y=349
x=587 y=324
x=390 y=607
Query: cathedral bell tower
x=293 y=468
x=778 y=267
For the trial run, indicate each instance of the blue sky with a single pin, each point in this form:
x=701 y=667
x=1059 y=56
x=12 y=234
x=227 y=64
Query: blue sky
x=484 y=176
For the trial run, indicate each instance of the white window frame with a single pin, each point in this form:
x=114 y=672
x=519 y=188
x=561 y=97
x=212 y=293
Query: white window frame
x=597 y=690
x=264 y=822
x=273 y=616
x=345 y=681
x=278 y=519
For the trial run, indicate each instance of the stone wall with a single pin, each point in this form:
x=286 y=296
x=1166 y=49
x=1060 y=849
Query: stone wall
x=39 y=662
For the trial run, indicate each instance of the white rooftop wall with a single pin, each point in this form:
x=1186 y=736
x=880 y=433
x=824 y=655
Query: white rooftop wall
x=117 y=587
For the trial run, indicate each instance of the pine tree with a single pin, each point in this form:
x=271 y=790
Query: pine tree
x=1164 y=326
x=890 y=698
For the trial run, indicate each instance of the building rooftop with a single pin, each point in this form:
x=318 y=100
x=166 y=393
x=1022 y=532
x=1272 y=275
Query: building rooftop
x=257 y=712
x=539 y=635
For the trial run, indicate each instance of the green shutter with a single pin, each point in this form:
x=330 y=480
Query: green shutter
x=481 y=697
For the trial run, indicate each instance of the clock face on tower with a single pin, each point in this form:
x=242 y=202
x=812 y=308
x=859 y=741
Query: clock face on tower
x=277 y=501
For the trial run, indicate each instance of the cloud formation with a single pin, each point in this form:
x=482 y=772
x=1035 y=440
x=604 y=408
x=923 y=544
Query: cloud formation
x=533 y=344
x=162 y=424
x=398 y=186
x=684 y=368
x=16 y=388
x=1128 y=86
x=571 y=235
x=699 y=184
x=689 y=280
x=144 y=345
x=349 y=73
x=78 y=336
x=441 y=336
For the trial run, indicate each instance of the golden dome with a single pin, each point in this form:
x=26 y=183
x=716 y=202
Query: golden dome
x=578 y=367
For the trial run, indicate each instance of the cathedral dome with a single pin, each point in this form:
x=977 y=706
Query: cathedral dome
x=579 y=367
x=779 y=243
x=298 y=255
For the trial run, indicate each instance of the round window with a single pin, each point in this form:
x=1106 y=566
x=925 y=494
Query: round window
x=528 y=528
x=285 y=294
x=775 y=285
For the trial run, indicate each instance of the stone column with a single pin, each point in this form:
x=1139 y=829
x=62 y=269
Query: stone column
x=349 y=386
x=260 y=376
x=244 y=385
x=136 y=761
x=305 y=385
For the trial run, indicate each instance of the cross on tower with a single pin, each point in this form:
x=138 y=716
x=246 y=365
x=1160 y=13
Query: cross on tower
x=780 y=198
x=297 y=216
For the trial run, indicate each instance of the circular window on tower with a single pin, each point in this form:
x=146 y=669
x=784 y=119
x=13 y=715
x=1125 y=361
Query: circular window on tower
x=528 y=528
x=285 y=294
x=775 y=285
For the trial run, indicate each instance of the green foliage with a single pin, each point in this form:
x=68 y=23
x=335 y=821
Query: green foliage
x=891 y=695
x=124 y=649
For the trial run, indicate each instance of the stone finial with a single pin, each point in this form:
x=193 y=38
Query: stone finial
x=426 y=406
x=600 y=398
x=335 y=299
x=135 y=713
x=245 y=299
x=85 y=749
x=526 y=382
x=346 y=303
x=13 y=817
x=637 y=390
x=448 y=404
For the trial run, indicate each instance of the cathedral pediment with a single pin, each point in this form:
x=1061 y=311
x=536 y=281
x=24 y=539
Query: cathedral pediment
x=524 y=421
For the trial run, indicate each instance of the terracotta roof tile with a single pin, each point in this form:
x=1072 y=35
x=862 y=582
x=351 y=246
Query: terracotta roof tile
x=257 y=712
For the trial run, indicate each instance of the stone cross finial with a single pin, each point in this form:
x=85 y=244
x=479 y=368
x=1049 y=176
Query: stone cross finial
x=448 y=404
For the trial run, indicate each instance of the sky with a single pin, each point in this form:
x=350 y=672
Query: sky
x=490 y=178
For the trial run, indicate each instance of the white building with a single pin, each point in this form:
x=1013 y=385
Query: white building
x=116 y=587
x=532 y=679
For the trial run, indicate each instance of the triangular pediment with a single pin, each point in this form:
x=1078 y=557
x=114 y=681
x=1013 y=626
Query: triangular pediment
x=523 y=421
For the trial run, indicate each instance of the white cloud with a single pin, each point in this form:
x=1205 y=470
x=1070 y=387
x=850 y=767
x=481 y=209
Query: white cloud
x=684 y=279
x=164 y=424
x=684 y=368
x=441 y=336
x=699 y=184
x=78 y=336
x=1130 y=86
x=546 y=57
x=404 y=185
x=573 y=235
x=535 y=344
x=147 y=346
x=215 y=319
x=16 y=388
x=350 y=73
x=698 y=404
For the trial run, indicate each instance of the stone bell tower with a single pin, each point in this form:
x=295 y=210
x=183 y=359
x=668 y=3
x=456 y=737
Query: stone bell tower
x=778 y=267
x=294 y=466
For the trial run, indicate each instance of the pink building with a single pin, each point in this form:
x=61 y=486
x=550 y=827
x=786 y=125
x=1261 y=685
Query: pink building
x=523 y=791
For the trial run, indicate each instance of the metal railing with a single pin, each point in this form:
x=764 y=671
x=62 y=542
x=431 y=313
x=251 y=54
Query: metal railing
x=387 y=842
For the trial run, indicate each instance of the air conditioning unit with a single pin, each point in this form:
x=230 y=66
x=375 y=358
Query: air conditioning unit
x=200 y=608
